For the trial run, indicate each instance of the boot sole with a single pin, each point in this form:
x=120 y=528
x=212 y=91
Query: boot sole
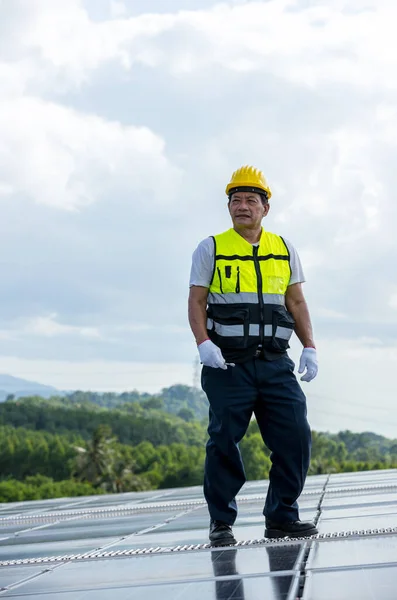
x=278 y=533
x=223 y=542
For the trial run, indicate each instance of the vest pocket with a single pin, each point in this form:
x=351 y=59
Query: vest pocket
x=229 y=326
x=283 y=325
x=274 y=285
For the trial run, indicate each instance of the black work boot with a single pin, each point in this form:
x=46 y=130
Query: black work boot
x=290 y=529
x=221 y=534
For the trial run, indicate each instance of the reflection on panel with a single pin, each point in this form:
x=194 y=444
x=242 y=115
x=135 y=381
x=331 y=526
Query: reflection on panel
x=12 y=575
x=139 y=570
x=357 y=511
x=353 y=552
x=20 y=550
x=360 y=522
x=88 y=528
x=349 y=499
x=269 y=588
x=371 y=584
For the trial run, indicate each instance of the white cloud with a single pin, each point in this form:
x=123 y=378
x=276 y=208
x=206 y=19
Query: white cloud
x=117 y=9
x=14 y=77
x=134 y=327
x=330 y=313
x=6 y=189
x=68 y=160
x=139 y=327
x=393 y=301
x=134 y=124
x=50 y=327
x=47 y=327
x=351 y=46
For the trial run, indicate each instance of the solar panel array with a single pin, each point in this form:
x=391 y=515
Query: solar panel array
x=154 y=546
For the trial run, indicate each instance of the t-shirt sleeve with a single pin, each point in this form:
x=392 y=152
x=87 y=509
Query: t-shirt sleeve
x=297 y=275
x=202 y=264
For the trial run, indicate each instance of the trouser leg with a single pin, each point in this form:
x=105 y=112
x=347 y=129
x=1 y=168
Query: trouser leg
x=231 y=395
x=281 y=415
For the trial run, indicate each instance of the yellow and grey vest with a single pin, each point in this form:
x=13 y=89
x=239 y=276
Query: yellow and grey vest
x=246 y=300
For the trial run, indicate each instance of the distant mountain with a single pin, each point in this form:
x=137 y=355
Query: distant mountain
x=21 y=387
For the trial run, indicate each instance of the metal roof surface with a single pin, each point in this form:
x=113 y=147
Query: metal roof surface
x=154 y=546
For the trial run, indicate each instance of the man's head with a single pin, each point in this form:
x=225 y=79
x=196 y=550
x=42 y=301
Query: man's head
x=249 y=195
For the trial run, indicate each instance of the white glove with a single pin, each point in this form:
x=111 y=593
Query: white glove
x=308 y=361
x=211 y=355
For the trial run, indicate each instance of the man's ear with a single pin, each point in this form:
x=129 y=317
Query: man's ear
x=266 y=208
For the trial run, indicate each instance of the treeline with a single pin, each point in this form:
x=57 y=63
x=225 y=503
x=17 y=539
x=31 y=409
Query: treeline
x=189 y=403
x=61 y=447
x=25 y=453
x=101 y=462
x=131 y=424
x=38 y=487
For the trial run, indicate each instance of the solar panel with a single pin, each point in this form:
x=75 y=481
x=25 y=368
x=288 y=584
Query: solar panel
x=154 y=546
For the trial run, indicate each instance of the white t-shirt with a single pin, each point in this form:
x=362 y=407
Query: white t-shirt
x=203 y=264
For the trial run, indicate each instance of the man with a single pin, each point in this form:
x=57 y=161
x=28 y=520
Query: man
x=245 y=302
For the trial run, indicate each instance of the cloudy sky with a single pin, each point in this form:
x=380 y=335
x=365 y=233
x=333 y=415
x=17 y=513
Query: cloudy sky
x=120 y=124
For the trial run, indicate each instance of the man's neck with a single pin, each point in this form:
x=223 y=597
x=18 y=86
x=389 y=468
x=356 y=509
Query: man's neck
x=252 y=236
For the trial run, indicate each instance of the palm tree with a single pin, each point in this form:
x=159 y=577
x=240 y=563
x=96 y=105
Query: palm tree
x=121 y=477
x=94 y=463
x=118 y=477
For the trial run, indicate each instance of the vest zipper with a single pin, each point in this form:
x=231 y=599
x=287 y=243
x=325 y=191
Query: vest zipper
x=220 y=279
x=238 y=281
x=260 y=293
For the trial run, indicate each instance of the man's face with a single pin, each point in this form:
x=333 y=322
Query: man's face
x=247 y=210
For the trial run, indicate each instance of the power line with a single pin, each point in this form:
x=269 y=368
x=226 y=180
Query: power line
x=355 y=417
x=350 y=403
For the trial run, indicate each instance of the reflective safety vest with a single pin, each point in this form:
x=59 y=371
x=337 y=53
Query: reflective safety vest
x=246 y=299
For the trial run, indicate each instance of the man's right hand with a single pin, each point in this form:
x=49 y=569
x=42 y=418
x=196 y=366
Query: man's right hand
x=211 y=355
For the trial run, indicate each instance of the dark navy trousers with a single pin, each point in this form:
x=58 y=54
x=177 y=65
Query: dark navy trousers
x=269 y=390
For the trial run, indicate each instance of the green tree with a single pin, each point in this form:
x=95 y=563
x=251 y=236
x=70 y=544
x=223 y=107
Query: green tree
x=256 y=463
x=186 y=414
x=120 y=477
x=154 y=403
x=93 y=463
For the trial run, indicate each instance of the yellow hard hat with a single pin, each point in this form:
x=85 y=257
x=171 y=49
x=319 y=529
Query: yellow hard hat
x=248 y=179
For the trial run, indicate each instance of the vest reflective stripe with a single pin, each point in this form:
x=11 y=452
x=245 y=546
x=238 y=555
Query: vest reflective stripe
x=226 y=330
x=283 y=333
x=245 y=298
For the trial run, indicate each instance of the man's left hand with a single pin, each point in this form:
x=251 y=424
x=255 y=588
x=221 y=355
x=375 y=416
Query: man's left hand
x=309 y=362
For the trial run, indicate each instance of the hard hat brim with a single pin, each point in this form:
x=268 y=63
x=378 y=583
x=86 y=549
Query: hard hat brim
x=232 y=189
